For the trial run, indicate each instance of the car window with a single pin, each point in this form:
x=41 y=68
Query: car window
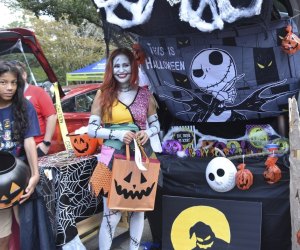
x=79 y=103
x=68 y=105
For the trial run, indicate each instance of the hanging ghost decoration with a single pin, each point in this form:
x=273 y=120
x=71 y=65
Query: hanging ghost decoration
x=220 y=174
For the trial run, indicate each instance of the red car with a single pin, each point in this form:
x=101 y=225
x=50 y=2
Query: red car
x=76 y=100
x=76 y=106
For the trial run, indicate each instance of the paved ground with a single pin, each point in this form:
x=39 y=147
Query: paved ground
x=121 y=240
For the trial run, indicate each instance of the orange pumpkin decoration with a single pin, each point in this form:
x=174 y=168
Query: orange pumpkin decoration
x=290 y=43
x=272 y=173
x=243 y=177
x=83 y=144
x=14 y=176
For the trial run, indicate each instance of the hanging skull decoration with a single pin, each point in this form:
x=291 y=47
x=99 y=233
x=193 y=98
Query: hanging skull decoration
x=220 y=174
x=190 y=11
x=221 y=10
x=140 y=11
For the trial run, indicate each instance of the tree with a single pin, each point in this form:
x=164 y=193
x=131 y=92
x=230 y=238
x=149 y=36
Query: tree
x=77 y=12
x=64 y=48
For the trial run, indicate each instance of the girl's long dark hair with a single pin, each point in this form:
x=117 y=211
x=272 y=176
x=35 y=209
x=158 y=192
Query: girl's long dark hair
x=110 y=85
x=19 y=103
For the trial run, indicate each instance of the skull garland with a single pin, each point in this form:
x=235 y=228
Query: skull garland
x=221 y=10
x=220 y=174
x=140 y=10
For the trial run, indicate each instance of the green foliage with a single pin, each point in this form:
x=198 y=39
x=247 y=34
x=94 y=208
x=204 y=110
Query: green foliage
x=64 y=48
x=74 y=37
x=76 y=10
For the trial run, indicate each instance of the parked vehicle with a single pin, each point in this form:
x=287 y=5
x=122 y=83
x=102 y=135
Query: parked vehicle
x=76 y=106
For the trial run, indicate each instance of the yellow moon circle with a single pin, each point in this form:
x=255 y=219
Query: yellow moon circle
x=180 y=232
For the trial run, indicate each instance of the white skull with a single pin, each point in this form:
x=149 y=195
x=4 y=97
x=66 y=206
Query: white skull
x=220 y=174
x=222 y=11
x=214 y=71
x=140 y=10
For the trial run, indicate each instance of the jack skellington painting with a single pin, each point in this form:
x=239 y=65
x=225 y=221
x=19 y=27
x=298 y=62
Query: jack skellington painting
x=213 y=72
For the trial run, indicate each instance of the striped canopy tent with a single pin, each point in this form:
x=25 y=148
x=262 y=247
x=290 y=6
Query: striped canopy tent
x=91 y=73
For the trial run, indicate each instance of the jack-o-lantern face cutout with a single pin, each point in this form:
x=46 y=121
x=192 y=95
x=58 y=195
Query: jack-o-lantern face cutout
x=290 y=43
x=272 y=173
x=13 y=197
x=243 y=177
x=134 y=185
x=14 y=176
x=83 y=144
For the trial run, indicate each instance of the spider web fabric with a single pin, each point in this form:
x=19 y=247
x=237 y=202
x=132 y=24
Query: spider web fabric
x=67 y=195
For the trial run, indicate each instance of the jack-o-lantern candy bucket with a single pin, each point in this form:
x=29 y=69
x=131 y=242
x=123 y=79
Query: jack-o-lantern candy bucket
x=14 y=177
x=83 y=144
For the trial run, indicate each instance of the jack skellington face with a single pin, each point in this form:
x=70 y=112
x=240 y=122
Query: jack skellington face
x=214 y=72
x=220 y=174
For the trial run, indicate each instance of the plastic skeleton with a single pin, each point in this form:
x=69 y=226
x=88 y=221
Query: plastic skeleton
x=214 y=73
x=222 y=11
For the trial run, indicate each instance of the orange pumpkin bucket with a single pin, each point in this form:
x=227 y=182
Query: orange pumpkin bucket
x=83 y=144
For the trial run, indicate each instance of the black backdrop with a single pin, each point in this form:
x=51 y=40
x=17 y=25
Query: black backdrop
x=186 y=177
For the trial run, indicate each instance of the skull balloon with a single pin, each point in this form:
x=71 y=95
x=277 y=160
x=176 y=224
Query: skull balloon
x=220 y=174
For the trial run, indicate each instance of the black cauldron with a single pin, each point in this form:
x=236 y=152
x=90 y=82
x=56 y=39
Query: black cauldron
x=14 y=177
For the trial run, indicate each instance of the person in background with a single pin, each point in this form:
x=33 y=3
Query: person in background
x=119 y=114
x=18 y=126
x=45 y=110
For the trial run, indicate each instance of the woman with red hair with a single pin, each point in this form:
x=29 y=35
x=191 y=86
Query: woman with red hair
x=120 y=113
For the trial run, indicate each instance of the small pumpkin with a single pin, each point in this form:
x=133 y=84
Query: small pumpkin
x=14 y=176
x=272 y=173
x=290 y=43
x=243 y=177
x=83 y=144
